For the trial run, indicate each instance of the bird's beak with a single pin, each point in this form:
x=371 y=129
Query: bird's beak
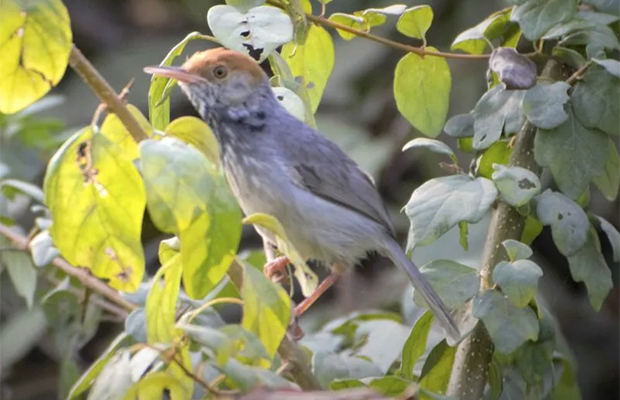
x=177 y=73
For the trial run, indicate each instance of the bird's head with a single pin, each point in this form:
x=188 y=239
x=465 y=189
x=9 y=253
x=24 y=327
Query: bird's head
x=217 y=78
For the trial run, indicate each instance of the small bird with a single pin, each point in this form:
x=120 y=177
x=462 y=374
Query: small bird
x=278 y=165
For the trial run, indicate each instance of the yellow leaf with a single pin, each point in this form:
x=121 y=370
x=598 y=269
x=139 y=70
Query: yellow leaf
x=161 y=302
x=313 y=61
x=115 y=131
x=194 y=131
x=35 y=42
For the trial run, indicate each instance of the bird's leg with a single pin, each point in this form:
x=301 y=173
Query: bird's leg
x=275 y=268
x=318 y=292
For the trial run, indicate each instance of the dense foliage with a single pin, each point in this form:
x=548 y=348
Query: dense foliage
x=553 y=111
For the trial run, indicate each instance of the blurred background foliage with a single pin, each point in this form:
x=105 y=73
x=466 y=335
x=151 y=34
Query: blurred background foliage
x=357 y=111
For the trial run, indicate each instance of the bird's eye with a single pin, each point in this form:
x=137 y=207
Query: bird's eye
x=220 y=72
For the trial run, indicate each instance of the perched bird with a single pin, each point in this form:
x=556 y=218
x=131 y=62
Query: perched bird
x=276 y=164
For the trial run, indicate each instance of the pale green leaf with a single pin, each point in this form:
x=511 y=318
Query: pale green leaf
x=188 y=197
x=266 y=309
x=517 y=250
x=194 y=131
x=416 y=344
x=97 y=199
x=221 y=347
x=536 y=17
x=461 y=125
x=609 y=181
x=141 y=361
x=245 y=5
x=20 y=334
x=598 y=35
x=422 y=91
x=475 y=40
x=569 y=223
x=42 y=249
x=441 y=203
x=23 y=187
x=161 y=302
x=291 y=102
x=612 y=66
x=588 y=265
x=352 y=21
x=415 y=21
x=613 y=236
x=569 y=56
x=433 y=145
x=532 y=229
x=455 y=283
x=498 y=110
x=543 y=105
x=517 y=185
x=257 y=32
x=574 y=154
x=313 y=61
x=595 y=101
x=518 y=280
x=381 y=340
x=21 y=270
x=114 y=379
x=390 y=385
x=329 y=366
x=378 y=16
x=508 y=325
x=246 y=378
x=535 y=359
x=35 y=42
x=117 y=133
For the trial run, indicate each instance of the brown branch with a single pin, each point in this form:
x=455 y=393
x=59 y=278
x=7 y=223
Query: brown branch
x=474 y=355
x=106 y=94
x=299 y=365
x=89 y=281
x=392 y=43
x=579 y=73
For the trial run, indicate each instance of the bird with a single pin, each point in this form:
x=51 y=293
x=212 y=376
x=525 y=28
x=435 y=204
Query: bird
x=276 y=164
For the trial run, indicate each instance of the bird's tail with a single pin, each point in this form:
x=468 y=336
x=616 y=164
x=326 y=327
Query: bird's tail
x=420 y=284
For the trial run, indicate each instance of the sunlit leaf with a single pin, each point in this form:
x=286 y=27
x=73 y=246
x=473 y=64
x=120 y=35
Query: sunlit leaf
x=352 y=21
x=416 y=344
x=517 y=185
x=114 y=379
x=96 y=198
x=422 y=91
x=188 y=197
x=415 y=21
x=217 y=342
x=162 y=300
x=117 y=133
x=313 y=61
x=437 y=369
x=155 y=386
x=194 y=131
x=475 y=40
x=435 y=146
x=518 y=280
x=35 y=42
x=499 y=153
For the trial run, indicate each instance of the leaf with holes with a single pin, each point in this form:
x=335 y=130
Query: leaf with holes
x=517 y=185
x=588 y=265
x=187 y=196
x=35 y=42
x=312 y=61
x=508 y=325
x=422 y=91
x=518 y=280
x=257 y=32
x=291 y=102
x=569 y=223
x=498 y=110
x=441 y=203
x=543 y=105
x=96 y=198
x=574 y=154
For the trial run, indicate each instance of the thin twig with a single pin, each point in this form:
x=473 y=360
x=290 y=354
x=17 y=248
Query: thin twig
x=579 y=73
x=106 y=94
x=89 y=281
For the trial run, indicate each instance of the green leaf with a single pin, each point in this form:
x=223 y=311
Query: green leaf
x=390 y=386
x=42 y=249
x=508 y=325
x=569 y=56
x=20 y=334
x=114 y=379
x=437 y=369
x=463 y=232
x=95 y=368
x=543 y=105
x=535 y=359
x=161 y=302
x=135 y=325
x=515 y=70
x=21 y=271
x=214 y=340
x=422 y=91
x=498 y=110
x=595 y=101
x=117 y=133
x=588 y=265
x=35 y=42
x=495 y=379
x=536 y=17
x=609 y=181
x=435 y=146
x=518 y=280
x=441 y=203
x=475 y=40
x=517 y=250
x=343 y=384
x=532 y=229
x=155 y=386
x=416 y=344
x=612 y=66
x=569 y=223
x=459 y=126
x=352 y=21
x=22 y=187
x=308 y=280
x=266 y=309
x=455 y=283
x=381 y=341
x=188 y=197
x=574 y=154
x=96 y=198
x=517 y=185
x=313 y=61
x=245 y=5
x=247 y=345
x=498 y=153
x=246 y=378
x=329 y=366
x=159 y=102
x=597 y=35
x=257 y=32
x=613 y=236
x=415 y=21
x=194 y=131
x=567 y=387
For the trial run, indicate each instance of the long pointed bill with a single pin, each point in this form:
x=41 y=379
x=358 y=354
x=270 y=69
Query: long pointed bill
x=174 y=72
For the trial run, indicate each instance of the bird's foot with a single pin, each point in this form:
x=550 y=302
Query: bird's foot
x=274 y=269
x=294 y=329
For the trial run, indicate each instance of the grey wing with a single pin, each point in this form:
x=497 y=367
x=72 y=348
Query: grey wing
x=328 y=172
